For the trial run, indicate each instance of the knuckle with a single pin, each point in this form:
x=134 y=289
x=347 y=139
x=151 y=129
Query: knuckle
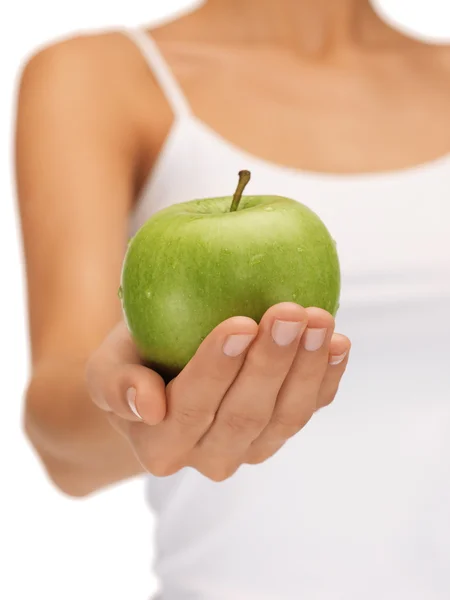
x=307 y=378
x=218 y=375
x=290 y=423
x=257 y=458
x=259 y=362
x=322 y=316
x=219 y=473
x=160 y=467
x=218 y=476
x=327 y=400
x=202 y=372
x=240 y=423
x=193 y=416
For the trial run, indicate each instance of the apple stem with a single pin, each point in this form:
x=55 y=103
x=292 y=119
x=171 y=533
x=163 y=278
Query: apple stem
x=244 y=178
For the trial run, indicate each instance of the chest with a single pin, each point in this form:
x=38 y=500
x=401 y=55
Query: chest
x=358 y=118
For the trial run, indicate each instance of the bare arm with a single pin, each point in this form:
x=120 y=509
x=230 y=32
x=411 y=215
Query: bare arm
x=75 y=154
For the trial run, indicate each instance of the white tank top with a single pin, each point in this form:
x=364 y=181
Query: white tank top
x=357 y=505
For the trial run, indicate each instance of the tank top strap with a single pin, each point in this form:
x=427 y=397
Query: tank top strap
x=161 y=71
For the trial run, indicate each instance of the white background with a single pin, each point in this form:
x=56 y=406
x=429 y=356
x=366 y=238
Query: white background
x=53 y=547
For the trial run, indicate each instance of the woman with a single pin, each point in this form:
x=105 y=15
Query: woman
x=324 y=103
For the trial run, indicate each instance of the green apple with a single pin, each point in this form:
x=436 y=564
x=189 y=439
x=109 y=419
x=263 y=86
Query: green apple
x=194 y=264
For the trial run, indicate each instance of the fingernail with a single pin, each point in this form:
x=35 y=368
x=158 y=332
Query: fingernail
x=313 y=339
x=285 y=332
x=131 y=399
x=236 y=344
x=336 y=360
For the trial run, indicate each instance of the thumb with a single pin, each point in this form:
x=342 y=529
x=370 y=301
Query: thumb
x=119 y=383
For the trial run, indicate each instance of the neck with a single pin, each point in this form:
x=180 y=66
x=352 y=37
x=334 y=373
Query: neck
x=313 y=27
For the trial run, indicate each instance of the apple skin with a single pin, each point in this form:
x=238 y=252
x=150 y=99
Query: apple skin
x=194 y=264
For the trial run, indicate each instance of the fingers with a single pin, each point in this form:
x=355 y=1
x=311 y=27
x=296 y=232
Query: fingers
x=248 y=405
x=297 y=399
x=118 y=383
x=304 y=393
x=337 y=363
x=244 y=393
x=200 y=387
x=194 y=396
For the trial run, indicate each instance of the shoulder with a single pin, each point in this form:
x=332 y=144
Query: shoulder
x=102 y=78
x=83 y=56
x=101 y=67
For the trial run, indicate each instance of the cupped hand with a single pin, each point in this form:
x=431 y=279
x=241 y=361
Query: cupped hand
x=248 y=389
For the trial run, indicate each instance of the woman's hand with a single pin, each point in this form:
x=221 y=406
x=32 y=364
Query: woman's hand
x=247 y=390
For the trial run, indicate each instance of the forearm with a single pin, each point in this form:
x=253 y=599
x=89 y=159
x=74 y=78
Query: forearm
x=79 y=448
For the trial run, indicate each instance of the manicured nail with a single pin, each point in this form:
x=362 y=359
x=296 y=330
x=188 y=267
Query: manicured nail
x=285 y=332
x=236 y=344
x=313 y=339
x=131 y=399
x=336 y=360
